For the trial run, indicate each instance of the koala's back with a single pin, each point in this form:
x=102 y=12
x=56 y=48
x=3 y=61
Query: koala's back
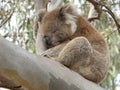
x=85 y=29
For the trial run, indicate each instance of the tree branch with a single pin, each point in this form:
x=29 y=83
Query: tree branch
x=113 y=16
x=32 y=72
x=40 y=4
x=7 y=18
x=54 y=4
x=99 y=9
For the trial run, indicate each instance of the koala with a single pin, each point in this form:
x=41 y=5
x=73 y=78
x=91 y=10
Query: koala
x=71 y=40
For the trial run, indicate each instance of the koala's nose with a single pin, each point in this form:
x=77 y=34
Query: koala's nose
x=47 y=40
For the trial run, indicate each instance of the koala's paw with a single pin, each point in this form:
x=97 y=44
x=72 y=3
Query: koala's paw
x=45 y=55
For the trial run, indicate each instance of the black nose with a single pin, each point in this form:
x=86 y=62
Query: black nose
x=47 y=40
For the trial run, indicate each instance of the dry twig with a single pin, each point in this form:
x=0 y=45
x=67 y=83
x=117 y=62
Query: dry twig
x=7 y=18
x=99 y=9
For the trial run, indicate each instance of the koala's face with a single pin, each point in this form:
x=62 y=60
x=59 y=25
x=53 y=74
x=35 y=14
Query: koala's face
x=56 y=27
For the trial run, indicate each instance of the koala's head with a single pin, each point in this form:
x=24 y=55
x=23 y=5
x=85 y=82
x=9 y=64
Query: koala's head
x=58 y=25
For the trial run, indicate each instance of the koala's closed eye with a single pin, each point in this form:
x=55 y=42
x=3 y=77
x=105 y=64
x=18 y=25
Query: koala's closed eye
x=54 y=31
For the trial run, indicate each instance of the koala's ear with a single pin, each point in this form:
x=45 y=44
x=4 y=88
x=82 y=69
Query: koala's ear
x=68 y=9
x=40 y=14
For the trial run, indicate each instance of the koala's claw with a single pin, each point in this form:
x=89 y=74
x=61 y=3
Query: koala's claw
x=46 y=55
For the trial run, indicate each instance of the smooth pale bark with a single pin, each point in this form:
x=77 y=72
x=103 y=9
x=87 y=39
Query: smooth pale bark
x=35 y=72
x=91 y=11
x=54 y=4
x=39 y=4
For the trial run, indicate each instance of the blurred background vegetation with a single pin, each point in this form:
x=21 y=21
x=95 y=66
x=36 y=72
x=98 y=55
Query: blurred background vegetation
x=17 y=21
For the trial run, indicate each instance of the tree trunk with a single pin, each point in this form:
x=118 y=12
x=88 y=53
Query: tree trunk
x=40 y=4
x=33 y=72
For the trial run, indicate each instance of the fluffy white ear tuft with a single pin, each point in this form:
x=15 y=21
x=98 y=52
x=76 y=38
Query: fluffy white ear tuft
x=73 y=24
x=69 y=9
x=70 y=14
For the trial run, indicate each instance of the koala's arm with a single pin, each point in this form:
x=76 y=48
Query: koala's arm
x=77 y=49
x=80 y=56
x=55 y=51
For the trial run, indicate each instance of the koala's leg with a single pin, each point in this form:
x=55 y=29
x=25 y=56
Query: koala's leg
x=78 y=49
x=97 y=68
x=81 y=57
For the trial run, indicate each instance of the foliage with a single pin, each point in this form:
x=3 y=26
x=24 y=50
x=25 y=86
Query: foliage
x=19 y=26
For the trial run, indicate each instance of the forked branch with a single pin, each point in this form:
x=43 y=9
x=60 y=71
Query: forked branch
x=99 y=7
